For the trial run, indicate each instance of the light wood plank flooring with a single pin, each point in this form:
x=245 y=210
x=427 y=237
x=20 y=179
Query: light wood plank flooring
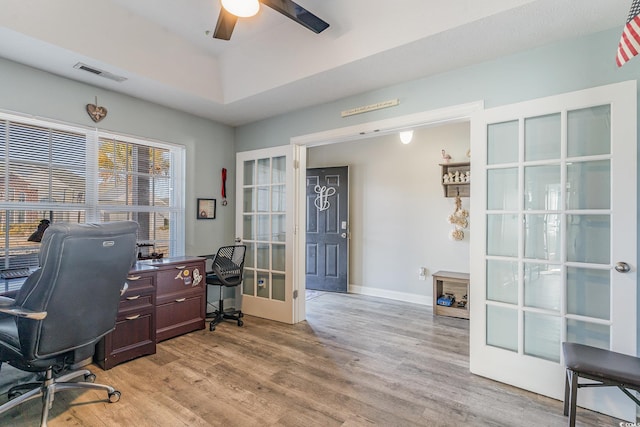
x=356 y=361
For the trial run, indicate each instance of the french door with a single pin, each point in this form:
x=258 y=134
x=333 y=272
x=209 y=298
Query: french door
x=265 y=223
x=553 y=209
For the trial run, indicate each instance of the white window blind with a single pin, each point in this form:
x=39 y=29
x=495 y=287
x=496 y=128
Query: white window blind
x=67 y=173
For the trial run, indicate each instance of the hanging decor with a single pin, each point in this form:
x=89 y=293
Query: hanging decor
x=322 y=198
x=459 y=219
x=96 y=113
x=224 y=187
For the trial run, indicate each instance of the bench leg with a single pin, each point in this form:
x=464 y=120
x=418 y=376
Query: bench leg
x=573 y=395
x=567 y=395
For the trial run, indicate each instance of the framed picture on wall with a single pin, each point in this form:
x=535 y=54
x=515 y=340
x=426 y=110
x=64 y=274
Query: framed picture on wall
x=206 y=209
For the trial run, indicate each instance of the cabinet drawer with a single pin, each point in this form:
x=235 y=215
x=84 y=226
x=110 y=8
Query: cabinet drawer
x=133 y=330
x=139 y=283
x=172 y=280
x=180 y=316
x=134 y=336
x=135 y=301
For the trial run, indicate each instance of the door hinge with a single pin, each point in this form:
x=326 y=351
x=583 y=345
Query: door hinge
x=296 y=164
x=295 y=294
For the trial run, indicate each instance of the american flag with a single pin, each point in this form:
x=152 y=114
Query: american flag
x=630 y=41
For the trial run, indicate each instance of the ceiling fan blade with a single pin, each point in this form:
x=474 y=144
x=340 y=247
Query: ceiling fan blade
x=224 y=26
x=298 y=13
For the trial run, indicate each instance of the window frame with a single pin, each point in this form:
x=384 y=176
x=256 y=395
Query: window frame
x=92 y=208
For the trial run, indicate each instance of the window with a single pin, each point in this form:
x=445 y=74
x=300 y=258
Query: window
x=72 y=174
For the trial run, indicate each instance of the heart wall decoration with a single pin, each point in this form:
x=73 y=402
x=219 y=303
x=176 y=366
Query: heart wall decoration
x=96 y=113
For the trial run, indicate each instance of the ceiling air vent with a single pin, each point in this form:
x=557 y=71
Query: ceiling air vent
x=98 y=72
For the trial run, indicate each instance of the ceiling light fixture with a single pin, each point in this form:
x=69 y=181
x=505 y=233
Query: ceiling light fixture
x=241 y=8
x=406 y=136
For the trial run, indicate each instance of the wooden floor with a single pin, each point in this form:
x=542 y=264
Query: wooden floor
x=356 y=361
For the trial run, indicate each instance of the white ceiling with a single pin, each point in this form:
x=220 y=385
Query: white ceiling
x=272 y=65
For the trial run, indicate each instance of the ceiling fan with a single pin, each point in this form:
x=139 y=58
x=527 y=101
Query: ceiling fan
x=227 y=20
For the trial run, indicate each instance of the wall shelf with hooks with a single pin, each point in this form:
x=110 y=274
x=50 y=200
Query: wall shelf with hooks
x=456 y=179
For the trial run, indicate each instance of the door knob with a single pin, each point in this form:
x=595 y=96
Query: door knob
x=343 y=235
x=622 y=267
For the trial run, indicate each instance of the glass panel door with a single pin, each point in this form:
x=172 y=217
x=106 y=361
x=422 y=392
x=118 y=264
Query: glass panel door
x=265 y=225
x=555 y=221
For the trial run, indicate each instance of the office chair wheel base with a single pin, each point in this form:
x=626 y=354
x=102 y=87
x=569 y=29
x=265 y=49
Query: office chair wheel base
x=240 y=323
x=212 y=327
x=114 y=396
x=241 y=314
x=90 y=378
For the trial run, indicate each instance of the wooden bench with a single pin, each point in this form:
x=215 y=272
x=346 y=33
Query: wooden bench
x=607 y=368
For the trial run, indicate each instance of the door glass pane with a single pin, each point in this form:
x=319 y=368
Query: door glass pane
x=502 y=189
x=502 y=327
x=278 y=291
x=263 y=199
x=249 y=258
x=502 y=143
x=278 y=257
x=542 y=187
x=587 y=333
x=542 y=236
x=247 y=228
x=262 y=228
x=542 y=137
x=542 y=336
x=502 y=232
x=589 y=185
x=249 y=170
x=248 y=282
x=588 y=238
x=279 y=170
x=589 y=131
x=278 y=198
x=264 y=171
x=263 y=284
x=502 y=281
x=278 y=231
x=262 y=255
x=589 y=292
x=248 y=200
x=542 y=286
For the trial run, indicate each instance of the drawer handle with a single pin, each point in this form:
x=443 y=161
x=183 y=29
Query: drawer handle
x=133 y=277
x=181 y=300
x=180 y=267
x=133 y=297
x=133 y=317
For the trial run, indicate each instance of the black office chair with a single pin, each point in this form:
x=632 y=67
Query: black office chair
x=227 y=267
x=66 y=306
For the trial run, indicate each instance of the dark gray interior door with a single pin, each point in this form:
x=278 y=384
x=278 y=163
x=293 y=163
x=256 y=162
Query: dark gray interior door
x=327 y=257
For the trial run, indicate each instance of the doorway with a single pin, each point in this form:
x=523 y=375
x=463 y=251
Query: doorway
x=405 y=179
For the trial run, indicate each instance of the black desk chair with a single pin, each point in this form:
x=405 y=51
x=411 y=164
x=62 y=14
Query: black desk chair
x=227 y=267
x=66 y=306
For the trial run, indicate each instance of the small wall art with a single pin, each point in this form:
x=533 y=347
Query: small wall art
x=206 y=209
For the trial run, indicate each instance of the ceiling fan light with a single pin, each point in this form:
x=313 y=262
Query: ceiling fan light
x=241 y=8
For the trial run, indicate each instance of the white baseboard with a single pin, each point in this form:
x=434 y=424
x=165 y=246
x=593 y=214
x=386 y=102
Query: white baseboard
x=385 y=293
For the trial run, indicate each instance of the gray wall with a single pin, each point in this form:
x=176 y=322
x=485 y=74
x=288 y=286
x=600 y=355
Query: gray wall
x=209 y=145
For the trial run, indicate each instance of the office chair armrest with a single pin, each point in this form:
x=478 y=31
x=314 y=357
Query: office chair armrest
x=18 y=311
x=7 y=302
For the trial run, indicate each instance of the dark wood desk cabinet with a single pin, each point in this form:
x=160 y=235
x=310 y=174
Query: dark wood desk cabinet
x=181 y=296
x=135 y=332
x=165 y=298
